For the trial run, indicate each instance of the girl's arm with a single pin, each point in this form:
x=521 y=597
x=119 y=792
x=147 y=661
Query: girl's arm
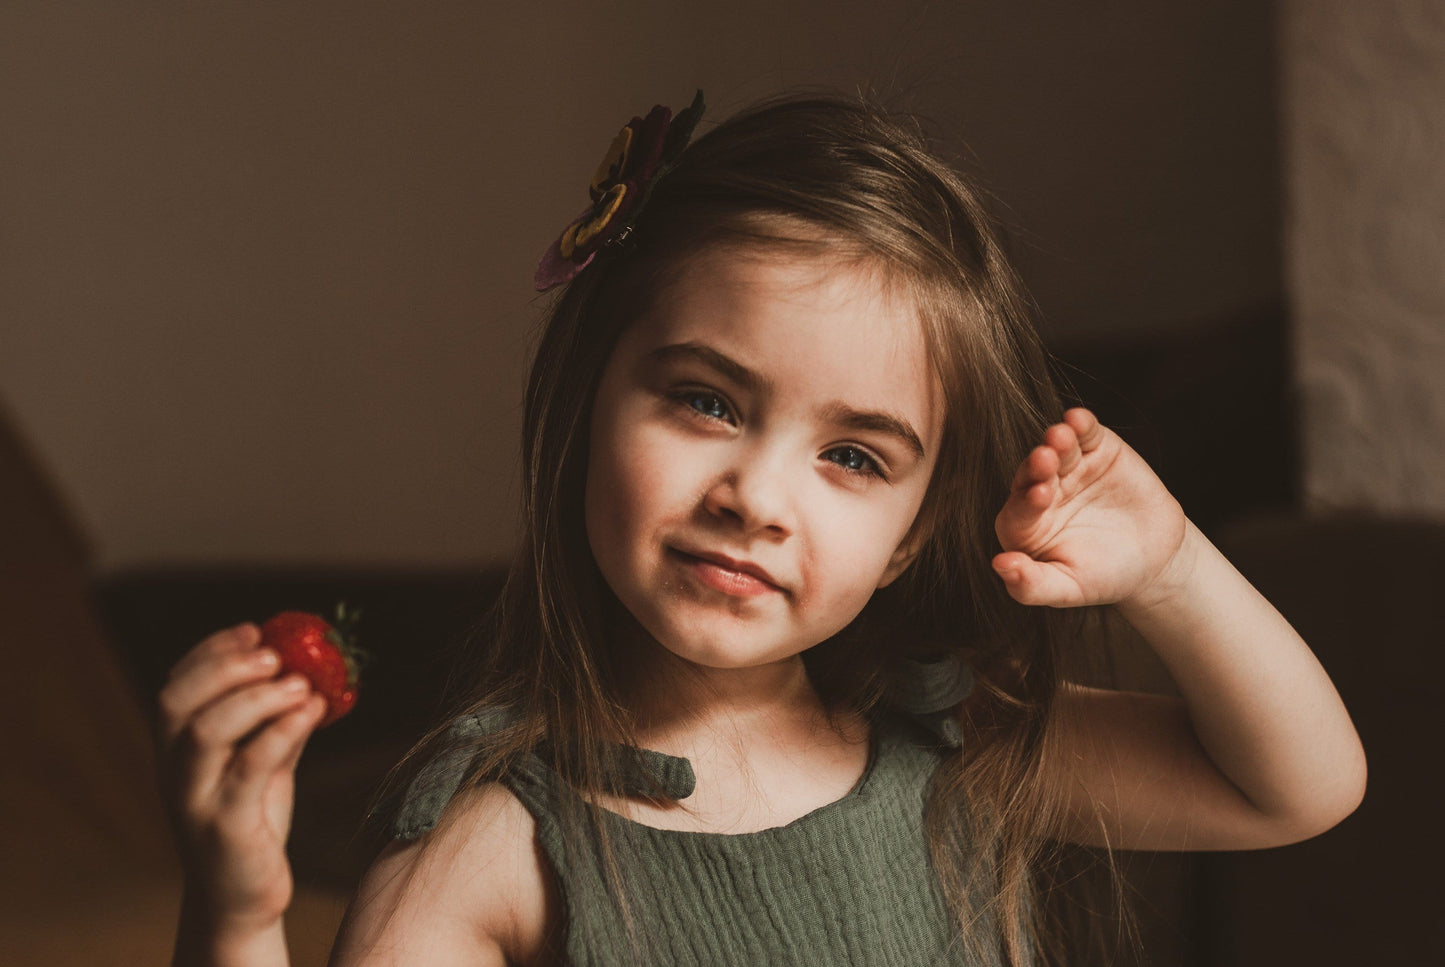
x=1260 y=752
x=230 y=734
x=474 y=893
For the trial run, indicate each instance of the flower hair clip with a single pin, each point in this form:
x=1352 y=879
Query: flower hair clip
x=643 y=151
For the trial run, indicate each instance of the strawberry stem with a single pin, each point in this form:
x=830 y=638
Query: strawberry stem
x=354 y=655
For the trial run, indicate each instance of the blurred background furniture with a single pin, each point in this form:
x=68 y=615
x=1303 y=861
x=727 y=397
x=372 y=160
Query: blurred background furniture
x=88 y=872
x=1369 y=596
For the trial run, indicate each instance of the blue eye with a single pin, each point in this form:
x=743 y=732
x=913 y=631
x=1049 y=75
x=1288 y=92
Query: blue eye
x=706 y=404
x=854 y=460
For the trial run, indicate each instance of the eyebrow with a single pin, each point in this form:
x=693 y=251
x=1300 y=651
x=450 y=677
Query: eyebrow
x=873 y=421
x=837 y=413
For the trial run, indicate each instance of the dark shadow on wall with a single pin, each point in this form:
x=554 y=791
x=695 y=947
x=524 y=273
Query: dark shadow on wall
x=1210 y=407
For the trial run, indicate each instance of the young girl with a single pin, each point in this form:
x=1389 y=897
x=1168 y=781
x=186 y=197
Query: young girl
x=780 y=673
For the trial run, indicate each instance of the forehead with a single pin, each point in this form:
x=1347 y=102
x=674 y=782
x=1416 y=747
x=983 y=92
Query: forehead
x=813 y=323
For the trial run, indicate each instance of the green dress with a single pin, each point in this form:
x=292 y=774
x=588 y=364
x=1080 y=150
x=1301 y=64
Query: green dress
x=848 y=883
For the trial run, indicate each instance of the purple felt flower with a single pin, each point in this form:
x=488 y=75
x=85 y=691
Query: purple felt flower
x=643 y=151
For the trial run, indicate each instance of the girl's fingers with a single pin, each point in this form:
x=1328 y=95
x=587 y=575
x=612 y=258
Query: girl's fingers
x=209 y=677
x=1029 y=582
x=1079 y=433
x=211 y=737
x=276 y=748
x=242 y=637
x=1038 y=497
x=1086 y=426
x=1015 y=526
x=1041 y=464
x=1040 y=480
x=1065 y=442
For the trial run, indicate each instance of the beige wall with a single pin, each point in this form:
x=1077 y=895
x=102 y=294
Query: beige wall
x=1364 y=94
x=265 y=266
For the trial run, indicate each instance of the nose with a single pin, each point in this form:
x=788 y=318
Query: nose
x=753 y=493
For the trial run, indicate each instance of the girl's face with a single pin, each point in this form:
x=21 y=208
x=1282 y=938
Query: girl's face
x=761 y=443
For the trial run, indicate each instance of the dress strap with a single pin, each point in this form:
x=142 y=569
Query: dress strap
x=643 y=772
x=930 y=692
x=636 y=772
x=435 y=785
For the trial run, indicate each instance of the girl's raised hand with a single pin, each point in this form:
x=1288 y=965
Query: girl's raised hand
x=230 y=736
x=1087 y=522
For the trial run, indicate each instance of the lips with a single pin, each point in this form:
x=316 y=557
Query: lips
x=728 y=574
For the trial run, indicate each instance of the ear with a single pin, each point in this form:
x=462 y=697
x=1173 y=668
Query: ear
x=902 y=557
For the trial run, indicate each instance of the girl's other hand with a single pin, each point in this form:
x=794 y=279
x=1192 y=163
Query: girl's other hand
x=1087 y=522
x=230 y=735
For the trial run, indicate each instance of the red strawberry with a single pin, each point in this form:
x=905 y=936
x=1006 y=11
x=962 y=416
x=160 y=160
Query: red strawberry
x=309 y=645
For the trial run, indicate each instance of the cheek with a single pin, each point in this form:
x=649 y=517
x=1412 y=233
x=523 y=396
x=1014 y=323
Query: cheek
x=632 y=485
x=871 y=547
x=851 y=561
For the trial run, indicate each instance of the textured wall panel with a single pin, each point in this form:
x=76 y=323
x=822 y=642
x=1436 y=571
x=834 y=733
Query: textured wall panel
x=1364 y=117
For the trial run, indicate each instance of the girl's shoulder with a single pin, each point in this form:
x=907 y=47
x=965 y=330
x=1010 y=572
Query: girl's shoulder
x=475 y=890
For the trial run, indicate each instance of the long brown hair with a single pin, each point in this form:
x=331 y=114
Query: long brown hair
x=854 y=182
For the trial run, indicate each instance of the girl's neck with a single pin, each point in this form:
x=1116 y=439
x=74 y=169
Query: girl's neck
x=677 y=704
x=763 y=747
x=682 y=697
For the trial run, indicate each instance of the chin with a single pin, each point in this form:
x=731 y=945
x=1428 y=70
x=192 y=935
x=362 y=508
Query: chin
x=733 y=655
x=720 y=648
x=723 y=660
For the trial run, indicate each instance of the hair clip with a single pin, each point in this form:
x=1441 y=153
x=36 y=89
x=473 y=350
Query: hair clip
x=643 y=152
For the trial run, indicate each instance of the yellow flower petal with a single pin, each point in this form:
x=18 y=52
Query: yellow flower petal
x=606 y=207
x=567 y=244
